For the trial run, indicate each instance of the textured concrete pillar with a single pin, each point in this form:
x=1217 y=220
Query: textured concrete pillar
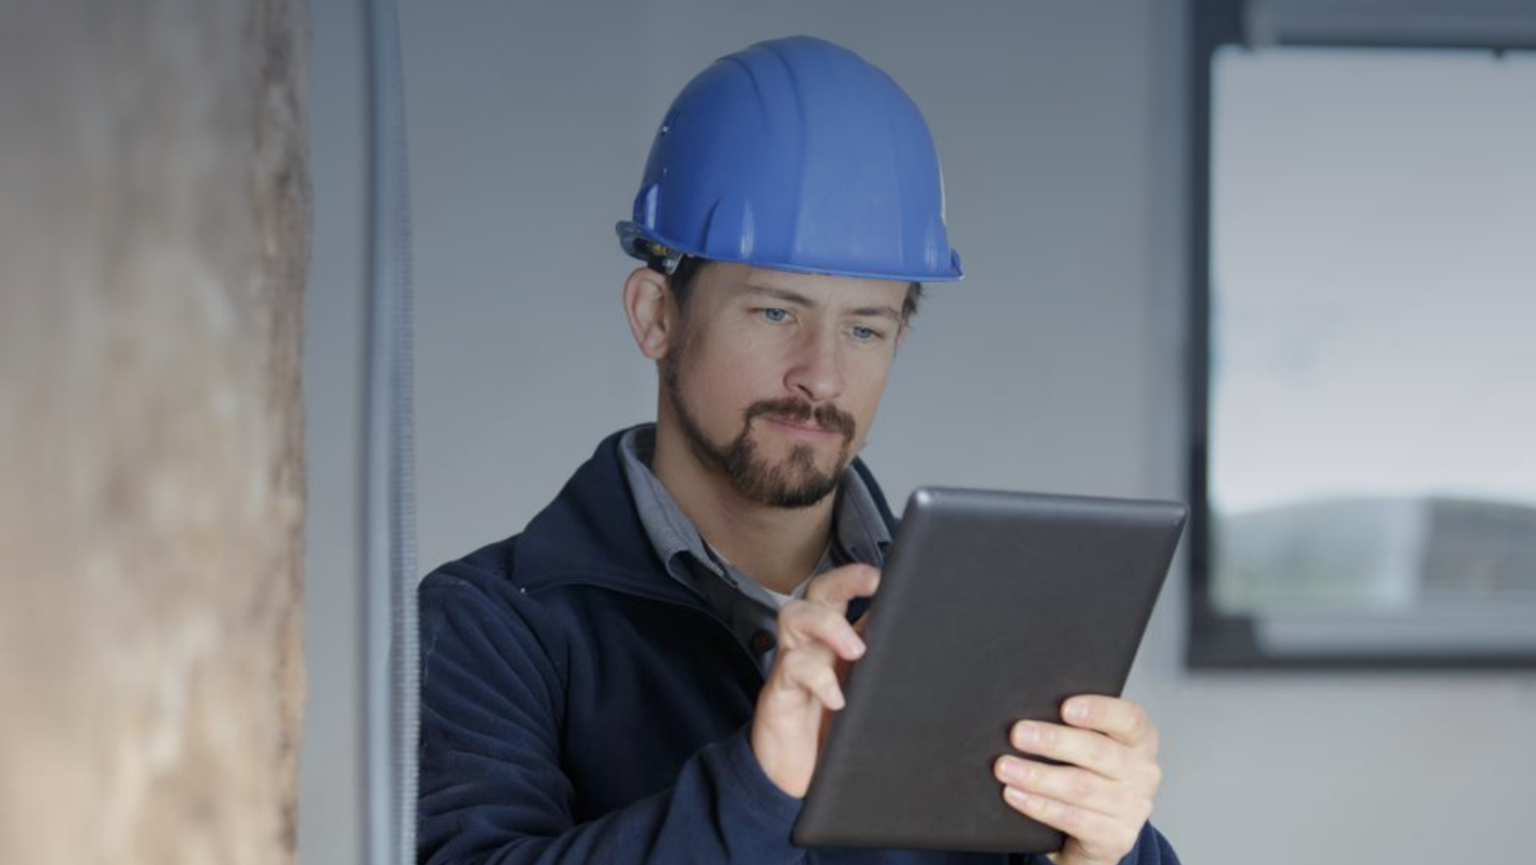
x=154 y=225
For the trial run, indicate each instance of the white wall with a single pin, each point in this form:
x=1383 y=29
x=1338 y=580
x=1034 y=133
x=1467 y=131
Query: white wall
x=1054 y=366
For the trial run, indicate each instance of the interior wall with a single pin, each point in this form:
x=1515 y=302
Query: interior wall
x=1056 y=365
x=154 y=245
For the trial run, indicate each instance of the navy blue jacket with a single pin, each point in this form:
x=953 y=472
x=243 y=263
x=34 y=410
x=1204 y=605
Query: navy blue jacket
x=579 y=705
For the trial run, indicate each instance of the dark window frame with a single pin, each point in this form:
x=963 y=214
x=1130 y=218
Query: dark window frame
x=1217 y=640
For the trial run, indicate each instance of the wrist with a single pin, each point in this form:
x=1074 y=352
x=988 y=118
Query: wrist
x=777 y=763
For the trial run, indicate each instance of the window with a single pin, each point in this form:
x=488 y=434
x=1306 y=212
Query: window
x=1364 y=449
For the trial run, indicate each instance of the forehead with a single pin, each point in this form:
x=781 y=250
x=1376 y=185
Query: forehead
x=732 y=281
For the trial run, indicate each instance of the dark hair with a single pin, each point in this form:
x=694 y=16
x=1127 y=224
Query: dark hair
x=688 y=267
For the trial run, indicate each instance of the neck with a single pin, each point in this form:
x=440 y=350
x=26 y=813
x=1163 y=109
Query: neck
x=776 y=547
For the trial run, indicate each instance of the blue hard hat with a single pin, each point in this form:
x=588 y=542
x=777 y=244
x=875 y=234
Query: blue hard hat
x=795 y=154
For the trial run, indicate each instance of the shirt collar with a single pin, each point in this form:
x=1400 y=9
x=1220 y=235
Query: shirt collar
x=860 y=534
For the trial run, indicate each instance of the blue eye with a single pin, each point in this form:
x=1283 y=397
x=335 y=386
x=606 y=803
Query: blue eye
x=865 y=334
x=777 y=316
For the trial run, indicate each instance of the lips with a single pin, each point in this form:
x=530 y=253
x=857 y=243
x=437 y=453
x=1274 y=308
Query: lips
x=796 y=424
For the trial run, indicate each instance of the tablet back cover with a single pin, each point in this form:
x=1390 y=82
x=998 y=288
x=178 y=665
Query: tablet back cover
x=993 y=607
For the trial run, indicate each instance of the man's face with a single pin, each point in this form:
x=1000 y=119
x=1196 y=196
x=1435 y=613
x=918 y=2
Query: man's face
x=776 y=376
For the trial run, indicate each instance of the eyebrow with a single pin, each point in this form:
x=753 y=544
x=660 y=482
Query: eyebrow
x=801 y=300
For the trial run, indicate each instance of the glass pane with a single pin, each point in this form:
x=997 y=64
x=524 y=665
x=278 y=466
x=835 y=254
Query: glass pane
x=1373 y=335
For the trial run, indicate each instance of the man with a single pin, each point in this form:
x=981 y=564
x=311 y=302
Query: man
x=644 y=673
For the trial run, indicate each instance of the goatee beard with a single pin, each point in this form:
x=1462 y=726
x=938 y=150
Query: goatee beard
x=795 y=481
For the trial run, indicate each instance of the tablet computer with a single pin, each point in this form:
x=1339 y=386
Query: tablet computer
x=992 y=607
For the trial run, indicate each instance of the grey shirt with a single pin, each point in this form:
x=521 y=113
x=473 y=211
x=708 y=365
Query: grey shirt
x=859 y=535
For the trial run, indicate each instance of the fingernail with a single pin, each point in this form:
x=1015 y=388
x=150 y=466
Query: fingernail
x=1014 y=771
x=1025 y=734
x=1016 y=796
x=856 y=647
x=1077 y=712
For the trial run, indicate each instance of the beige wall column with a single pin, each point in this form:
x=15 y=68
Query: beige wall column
x=154 y=231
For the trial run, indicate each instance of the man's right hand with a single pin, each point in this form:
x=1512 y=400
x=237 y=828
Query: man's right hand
x=804 y=686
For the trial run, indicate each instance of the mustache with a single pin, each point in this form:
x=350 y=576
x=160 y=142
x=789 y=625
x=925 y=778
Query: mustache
x=828 y=417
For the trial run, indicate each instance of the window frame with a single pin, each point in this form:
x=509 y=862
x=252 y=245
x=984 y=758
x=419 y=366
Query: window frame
x=1217 y=640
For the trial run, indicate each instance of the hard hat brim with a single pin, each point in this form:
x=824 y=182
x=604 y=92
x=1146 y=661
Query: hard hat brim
x=639 y=242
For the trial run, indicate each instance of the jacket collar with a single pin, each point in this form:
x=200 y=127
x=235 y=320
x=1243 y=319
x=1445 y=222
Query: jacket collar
x=591 y=534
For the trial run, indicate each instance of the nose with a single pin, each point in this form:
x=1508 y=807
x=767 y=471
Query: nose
x=815 y=371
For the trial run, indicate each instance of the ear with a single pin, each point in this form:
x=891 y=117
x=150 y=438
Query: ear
x=651 y=310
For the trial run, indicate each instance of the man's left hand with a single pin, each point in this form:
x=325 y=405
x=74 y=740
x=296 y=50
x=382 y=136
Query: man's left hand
x=1103 y=797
